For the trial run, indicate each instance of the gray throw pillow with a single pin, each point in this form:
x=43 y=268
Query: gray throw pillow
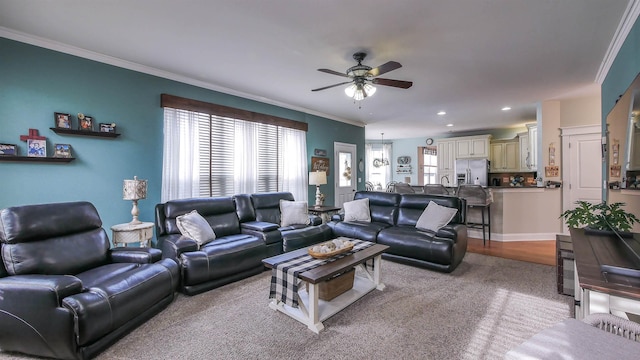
x=194 y=226
x=357 y=210
x=294 y=213
x=435 y=217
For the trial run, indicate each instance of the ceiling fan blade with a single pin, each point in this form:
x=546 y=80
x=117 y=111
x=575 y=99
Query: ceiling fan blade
x=332 y=72
x=385 y=68
x=395 y=83
x=330 y=86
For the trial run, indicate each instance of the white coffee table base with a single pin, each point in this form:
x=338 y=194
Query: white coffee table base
x=313 y=311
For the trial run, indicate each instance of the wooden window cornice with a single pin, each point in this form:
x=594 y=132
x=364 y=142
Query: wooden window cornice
x=177 y=102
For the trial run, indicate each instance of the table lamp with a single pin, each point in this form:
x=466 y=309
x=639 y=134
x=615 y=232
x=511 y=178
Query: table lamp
x=318 y=178
x=134 y=190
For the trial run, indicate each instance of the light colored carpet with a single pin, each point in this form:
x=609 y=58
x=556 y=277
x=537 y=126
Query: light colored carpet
x=487 y=306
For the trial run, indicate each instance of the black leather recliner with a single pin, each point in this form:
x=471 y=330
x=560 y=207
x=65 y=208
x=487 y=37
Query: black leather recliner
x=264 y=208
x=63 y=292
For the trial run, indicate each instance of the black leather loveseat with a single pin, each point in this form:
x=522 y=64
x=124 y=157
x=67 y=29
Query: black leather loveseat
x=247 y=230
x=63 y=292
x=393 y=223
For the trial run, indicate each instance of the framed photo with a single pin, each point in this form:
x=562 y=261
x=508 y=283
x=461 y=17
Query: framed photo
x=36 y=148
x=109 y=128
x=85 y=123
x=62 y=150
x=8 y=150
x=63 y=121
x=320 y=164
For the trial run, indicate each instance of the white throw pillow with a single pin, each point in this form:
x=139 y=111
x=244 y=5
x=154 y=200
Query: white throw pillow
x=194 y=226
x=435 y=217
x=357 y=210
x=294 y=213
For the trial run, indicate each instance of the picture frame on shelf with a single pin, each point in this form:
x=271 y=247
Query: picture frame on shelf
x=36 y=148
x=61 y=151
x=8 y=150
x=85 y=123
x=108 y=128
x=63 y=121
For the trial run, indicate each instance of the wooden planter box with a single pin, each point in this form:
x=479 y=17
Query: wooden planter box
x=335 y=286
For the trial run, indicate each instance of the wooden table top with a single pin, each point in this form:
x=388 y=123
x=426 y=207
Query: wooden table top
x=326 y=271
x=591 y=251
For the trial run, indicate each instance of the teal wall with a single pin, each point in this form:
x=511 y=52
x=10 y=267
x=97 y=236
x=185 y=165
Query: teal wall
x=623 y=71
x=36 y=82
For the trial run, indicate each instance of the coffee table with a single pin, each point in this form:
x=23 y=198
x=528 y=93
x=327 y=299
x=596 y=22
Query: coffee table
x=312 y=311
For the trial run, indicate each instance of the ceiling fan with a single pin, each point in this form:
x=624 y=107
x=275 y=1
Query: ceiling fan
x=363 y=77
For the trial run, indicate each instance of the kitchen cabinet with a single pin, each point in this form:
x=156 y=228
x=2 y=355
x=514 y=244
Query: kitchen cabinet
x=525 y=155
x=446 y=155
x=532 y=130
x=473 y=147
x=504 y=156
x=446 y=161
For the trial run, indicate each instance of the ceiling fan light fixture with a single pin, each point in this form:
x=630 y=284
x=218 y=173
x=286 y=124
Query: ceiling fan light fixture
x=359 y=91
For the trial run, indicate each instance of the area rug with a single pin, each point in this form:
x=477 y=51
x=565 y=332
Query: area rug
x=487 y=306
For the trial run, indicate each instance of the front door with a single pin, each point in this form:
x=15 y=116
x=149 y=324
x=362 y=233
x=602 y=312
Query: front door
x=345 y=172
x=582 y=166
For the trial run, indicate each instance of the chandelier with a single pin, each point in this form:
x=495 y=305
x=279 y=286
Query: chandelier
x=382 y=161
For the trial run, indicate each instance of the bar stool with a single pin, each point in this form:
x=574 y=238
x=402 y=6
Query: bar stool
x=435 y=189
x=478 y=197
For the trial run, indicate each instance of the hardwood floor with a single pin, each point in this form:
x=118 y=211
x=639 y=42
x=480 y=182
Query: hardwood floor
x=539 y=252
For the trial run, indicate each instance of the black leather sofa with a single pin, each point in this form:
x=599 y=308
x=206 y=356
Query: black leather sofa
x=247 y=231
x=393 y=220
x=63 y=292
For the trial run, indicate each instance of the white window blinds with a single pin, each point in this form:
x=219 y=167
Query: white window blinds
x=208 y=155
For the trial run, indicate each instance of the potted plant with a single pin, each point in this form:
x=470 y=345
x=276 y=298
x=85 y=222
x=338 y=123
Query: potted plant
x=602 y=216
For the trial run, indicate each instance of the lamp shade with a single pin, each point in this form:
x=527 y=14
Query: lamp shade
x=134 y=189
x=317 y=178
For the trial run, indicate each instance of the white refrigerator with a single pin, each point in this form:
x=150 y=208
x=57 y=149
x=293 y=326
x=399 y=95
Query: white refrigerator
x=472 y=171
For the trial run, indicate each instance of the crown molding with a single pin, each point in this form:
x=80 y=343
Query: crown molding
x=110 y=60
x=626 y=23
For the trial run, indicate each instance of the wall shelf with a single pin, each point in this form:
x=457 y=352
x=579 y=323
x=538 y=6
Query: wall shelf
x=35 y=159
x=63 y=131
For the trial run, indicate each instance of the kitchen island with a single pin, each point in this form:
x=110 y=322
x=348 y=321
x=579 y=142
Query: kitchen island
x=524 y=213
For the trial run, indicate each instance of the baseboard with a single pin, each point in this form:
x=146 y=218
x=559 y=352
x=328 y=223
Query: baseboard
x=477 y=234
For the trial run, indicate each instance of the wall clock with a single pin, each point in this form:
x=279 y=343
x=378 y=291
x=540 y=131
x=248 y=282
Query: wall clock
x=429 y=141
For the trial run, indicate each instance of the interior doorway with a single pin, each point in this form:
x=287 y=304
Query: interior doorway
x=581 y=166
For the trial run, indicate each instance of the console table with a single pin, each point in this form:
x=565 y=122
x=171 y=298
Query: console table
x=599 y=291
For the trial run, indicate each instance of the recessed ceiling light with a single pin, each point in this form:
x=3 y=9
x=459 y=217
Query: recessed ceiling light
x=442 y=113
x=449 y=125
x=506 y=108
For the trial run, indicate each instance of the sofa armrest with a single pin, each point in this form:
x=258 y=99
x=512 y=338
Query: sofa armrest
x=33 y=318
x=39 y=289
x=337 y=217
x=135 y=255
x=315 y=220
x=175 y=244
x=452 y=231
x=259 y=226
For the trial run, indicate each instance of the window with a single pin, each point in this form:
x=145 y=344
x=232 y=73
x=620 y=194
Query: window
x=208 y=155
x=378 y=165
x=428 y=161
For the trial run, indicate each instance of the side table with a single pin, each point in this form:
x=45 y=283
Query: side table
x=325 y=212
x=132 y=233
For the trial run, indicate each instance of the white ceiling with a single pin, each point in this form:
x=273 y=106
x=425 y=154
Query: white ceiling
x=467 y=57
